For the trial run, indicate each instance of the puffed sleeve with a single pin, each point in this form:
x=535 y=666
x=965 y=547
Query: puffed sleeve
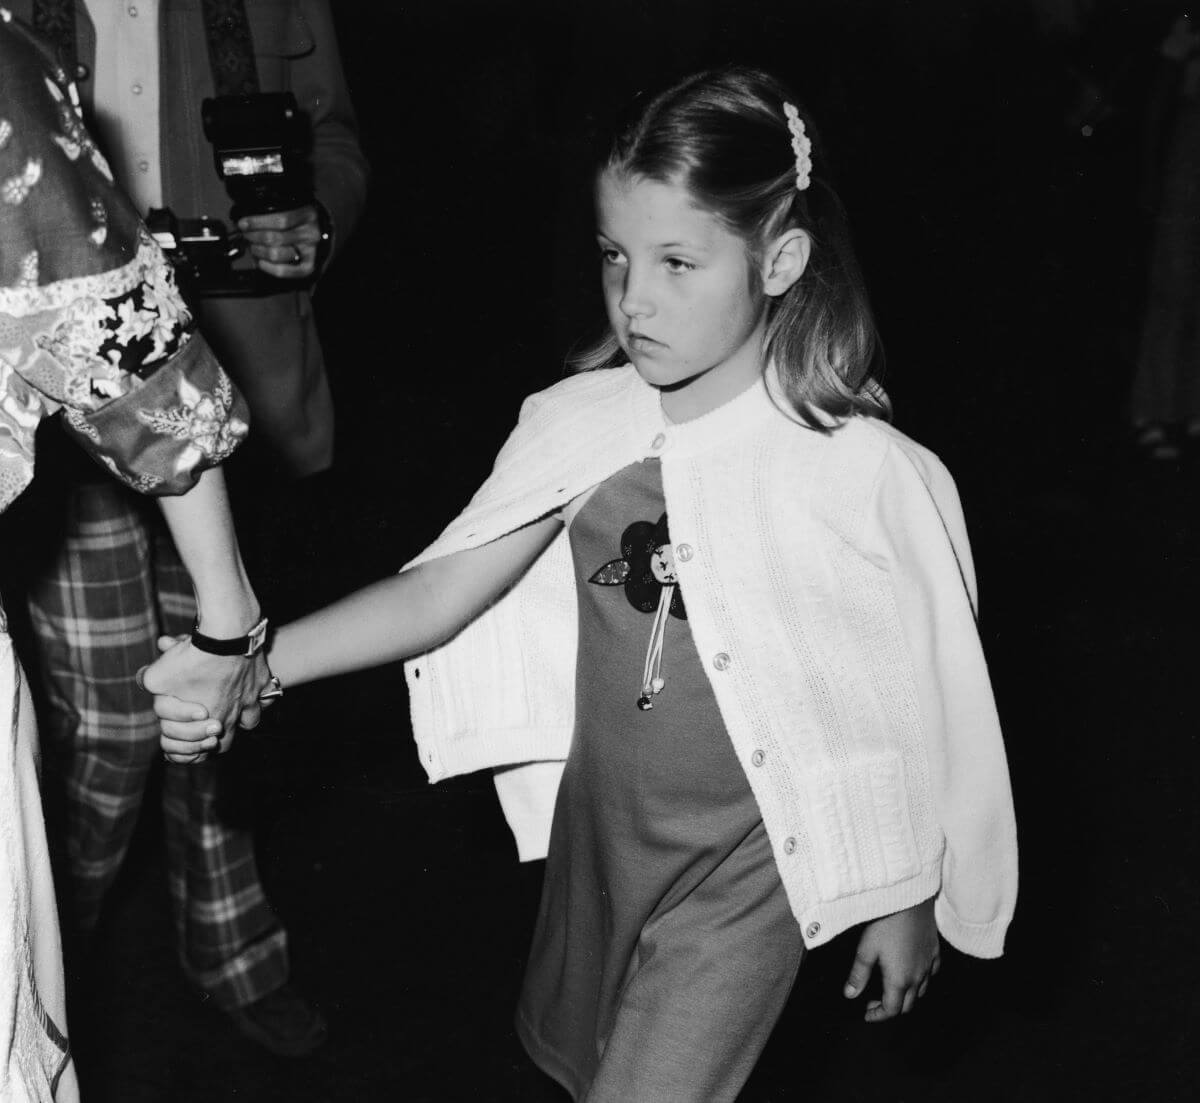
x=186 y=417
x=919 y=526
x=91 y=321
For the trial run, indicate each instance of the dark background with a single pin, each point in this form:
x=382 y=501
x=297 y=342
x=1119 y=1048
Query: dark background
x=1005 y=251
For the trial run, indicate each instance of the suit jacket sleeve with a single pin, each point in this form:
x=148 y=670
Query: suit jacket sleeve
x=340 y=171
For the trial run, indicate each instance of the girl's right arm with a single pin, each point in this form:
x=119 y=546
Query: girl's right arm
x=409 y=613
x=397 y=617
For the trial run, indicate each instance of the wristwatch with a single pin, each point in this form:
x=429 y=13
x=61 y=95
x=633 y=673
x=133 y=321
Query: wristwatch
x=246 y=646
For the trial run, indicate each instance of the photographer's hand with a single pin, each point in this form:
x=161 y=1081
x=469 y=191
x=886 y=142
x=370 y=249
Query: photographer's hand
x=285 y=244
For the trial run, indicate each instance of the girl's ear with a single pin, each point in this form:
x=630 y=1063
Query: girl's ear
x=785 y=260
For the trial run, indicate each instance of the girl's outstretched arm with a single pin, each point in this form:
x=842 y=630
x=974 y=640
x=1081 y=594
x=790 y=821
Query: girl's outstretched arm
x=408 y=613
x=397 y=617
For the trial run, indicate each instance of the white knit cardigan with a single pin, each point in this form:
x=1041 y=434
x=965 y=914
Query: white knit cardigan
x=830 y=594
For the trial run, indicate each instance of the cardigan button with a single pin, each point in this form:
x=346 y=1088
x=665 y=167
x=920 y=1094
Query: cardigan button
x=82 y=72
x=658 y=441
x=789 y=845
x=683 y=552
x=758 y=757
x=721 y=660
x=813 y=930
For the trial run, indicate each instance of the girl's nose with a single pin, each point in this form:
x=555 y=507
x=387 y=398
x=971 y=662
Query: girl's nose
x=635 y=301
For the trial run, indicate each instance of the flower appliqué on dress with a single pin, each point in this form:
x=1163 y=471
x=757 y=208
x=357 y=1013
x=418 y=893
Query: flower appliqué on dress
x=202 y=419
x=647 y=571
x=646 y=566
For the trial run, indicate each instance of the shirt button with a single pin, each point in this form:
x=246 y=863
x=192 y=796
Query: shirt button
x=143 y=166
x=683 y=552
x=82 y=72
x=658 y=441
x=758 y=758
x=789 y=845
x=813 y=930
x=136 y=88
x=721 y=660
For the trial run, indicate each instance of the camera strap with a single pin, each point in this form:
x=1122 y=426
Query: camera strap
x=226 y=30
x=230 y=47
x=54 y=20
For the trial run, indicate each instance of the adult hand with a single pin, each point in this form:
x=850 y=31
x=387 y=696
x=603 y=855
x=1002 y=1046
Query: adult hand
x=285 y=244
x=224 y=691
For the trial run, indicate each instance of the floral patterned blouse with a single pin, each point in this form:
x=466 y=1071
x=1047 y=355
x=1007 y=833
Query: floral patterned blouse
x=91 y=322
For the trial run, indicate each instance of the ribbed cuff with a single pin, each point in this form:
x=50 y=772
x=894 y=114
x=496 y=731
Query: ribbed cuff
x=984 y=940
x=823 y=922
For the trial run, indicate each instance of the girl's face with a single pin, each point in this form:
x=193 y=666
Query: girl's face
x=678 y=287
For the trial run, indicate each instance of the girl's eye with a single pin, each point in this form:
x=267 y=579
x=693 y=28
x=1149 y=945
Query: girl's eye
x=609 y=255
x=678 y=264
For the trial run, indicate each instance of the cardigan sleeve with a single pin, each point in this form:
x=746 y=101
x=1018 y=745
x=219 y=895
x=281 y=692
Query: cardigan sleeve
x=918 y=524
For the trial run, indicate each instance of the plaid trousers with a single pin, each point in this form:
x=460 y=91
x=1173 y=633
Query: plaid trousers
x=115 y=585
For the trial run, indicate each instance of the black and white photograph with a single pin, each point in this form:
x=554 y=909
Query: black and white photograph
x=599 y=551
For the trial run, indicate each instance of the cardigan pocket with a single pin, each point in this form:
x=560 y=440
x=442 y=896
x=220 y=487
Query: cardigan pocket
x=863 y=832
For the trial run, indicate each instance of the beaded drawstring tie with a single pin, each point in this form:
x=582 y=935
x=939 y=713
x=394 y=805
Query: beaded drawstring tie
x=662 y=568
x=652 y=679
x=646 y=569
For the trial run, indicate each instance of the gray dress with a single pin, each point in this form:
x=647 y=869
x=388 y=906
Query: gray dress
x=665 y=948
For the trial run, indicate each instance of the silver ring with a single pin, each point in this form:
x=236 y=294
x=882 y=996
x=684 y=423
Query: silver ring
x=273 y=691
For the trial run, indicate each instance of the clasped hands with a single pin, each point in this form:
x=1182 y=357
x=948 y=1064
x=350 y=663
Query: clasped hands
x=202 y=699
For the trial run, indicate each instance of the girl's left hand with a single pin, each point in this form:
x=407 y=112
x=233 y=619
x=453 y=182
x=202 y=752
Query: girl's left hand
x=906 y=949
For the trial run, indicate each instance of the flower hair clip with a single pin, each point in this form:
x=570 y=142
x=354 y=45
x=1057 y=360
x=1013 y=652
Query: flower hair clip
x=801 y=146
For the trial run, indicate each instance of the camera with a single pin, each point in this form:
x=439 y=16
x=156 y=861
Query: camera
x=260 y=150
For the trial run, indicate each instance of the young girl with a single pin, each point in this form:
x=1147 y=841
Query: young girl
x=712 y=601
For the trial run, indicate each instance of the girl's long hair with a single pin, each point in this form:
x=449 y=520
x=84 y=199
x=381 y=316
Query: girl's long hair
x=723 y=136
